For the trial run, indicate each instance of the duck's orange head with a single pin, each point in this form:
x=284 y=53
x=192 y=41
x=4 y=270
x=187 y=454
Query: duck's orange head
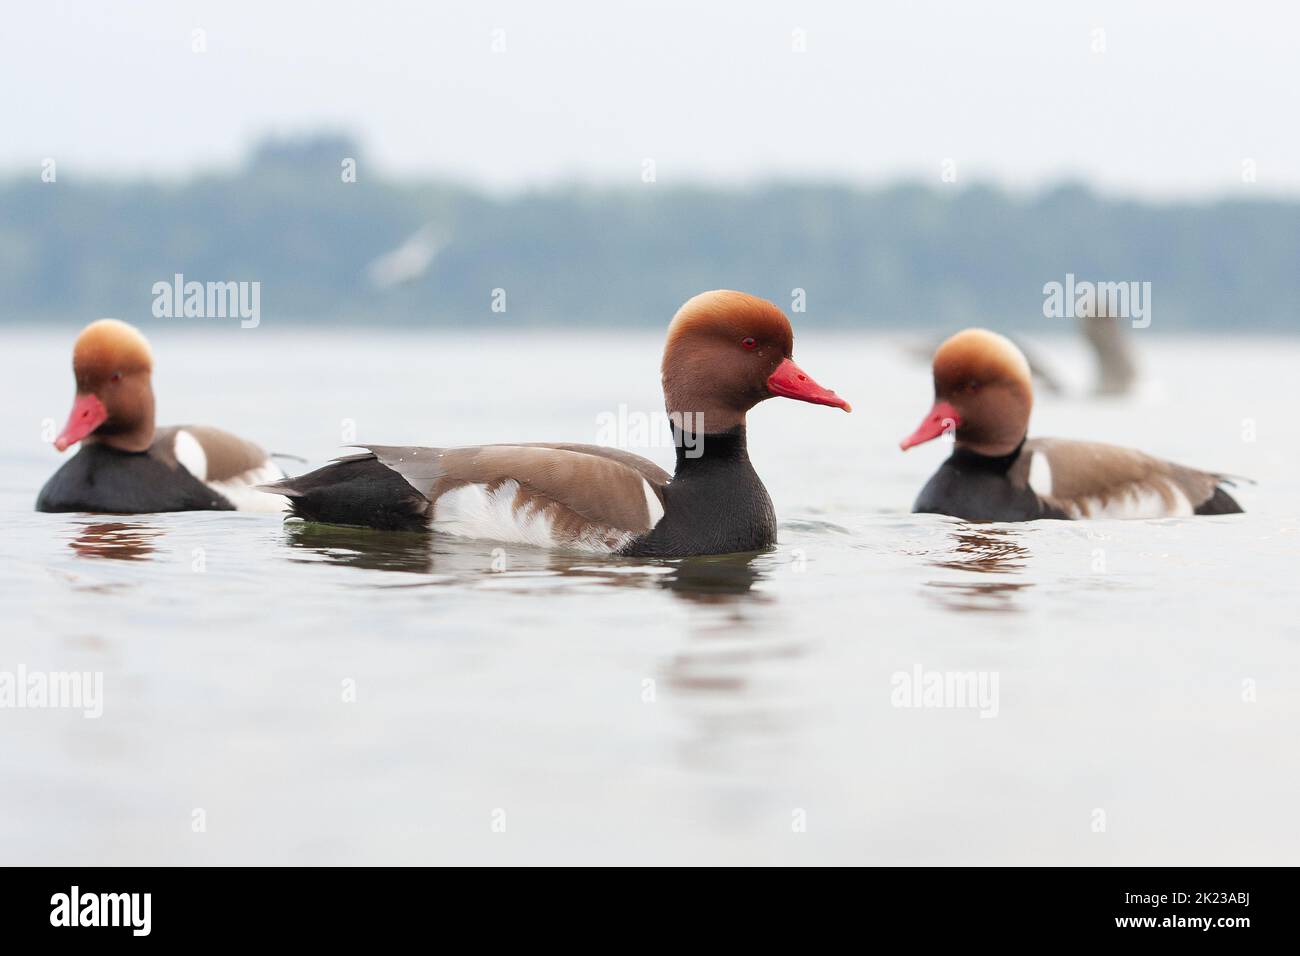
x=726 y=352
x=982 y=393
x=113 y=366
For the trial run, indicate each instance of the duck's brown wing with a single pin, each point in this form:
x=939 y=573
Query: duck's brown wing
x=226 y=463
x=1093 y=480
x=581 y=490
x=225 y=456
x=648 y=469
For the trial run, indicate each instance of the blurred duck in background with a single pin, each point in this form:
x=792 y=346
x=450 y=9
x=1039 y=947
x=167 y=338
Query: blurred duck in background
x=127 y=466
x=983 y=395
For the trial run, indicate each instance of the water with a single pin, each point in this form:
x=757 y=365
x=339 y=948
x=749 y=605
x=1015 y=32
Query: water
x=732 y=709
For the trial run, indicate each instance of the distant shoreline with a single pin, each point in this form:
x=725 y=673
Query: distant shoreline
x=319 y=245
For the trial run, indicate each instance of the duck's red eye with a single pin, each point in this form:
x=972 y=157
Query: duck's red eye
x=749 y=342
x=117 y=377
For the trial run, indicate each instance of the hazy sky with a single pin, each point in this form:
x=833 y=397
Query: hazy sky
x=1182 y=95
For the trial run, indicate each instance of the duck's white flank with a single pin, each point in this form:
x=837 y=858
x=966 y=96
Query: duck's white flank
x=1136 y=501
x=472 y=511
x=1040 y=474
x=655 y=509
x=190 y=454
x=239 y=490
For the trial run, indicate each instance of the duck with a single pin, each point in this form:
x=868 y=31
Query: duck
x=983 y=396
x=126 y=465
x=725 y=352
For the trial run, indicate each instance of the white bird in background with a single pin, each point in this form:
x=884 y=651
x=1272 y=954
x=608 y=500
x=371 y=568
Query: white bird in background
x=411 y=259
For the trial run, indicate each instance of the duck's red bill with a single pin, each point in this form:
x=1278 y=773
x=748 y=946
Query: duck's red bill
x=790 y=381
x=942 y=418
x=88 y=413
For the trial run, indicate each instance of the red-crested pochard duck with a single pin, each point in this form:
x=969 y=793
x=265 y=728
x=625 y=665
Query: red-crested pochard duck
x=726 y=352
x=127 y=466
x=982 y=394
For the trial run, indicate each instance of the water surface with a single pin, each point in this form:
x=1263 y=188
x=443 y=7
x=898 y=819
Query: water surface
x=330 y=695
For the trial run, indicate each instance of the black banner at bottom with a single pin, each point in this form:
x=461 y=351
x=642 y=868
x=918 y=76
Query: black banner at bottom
x=1151 y=905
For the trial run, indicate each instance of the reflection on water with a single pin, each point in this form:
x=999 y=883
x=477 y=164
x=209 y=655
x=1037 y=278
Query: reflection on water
x=361 y=547
x=714 y=579
x=981 y=550
x=116 y=540
x=728 y=681
x=709 y=580
x=982 y=596
x=985 y=551
x=732 y=679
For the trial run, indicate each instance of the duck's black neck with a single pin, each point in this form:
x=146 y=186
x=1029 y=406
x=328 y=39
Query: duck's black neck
x=994 y=463
x=715 y=503
x=698 y=453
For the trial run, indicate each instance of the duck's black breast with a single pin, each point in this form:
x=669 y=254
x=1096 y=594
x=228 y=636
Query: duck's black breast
x=715 y=504
x=982 y=488
x=102 y=479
